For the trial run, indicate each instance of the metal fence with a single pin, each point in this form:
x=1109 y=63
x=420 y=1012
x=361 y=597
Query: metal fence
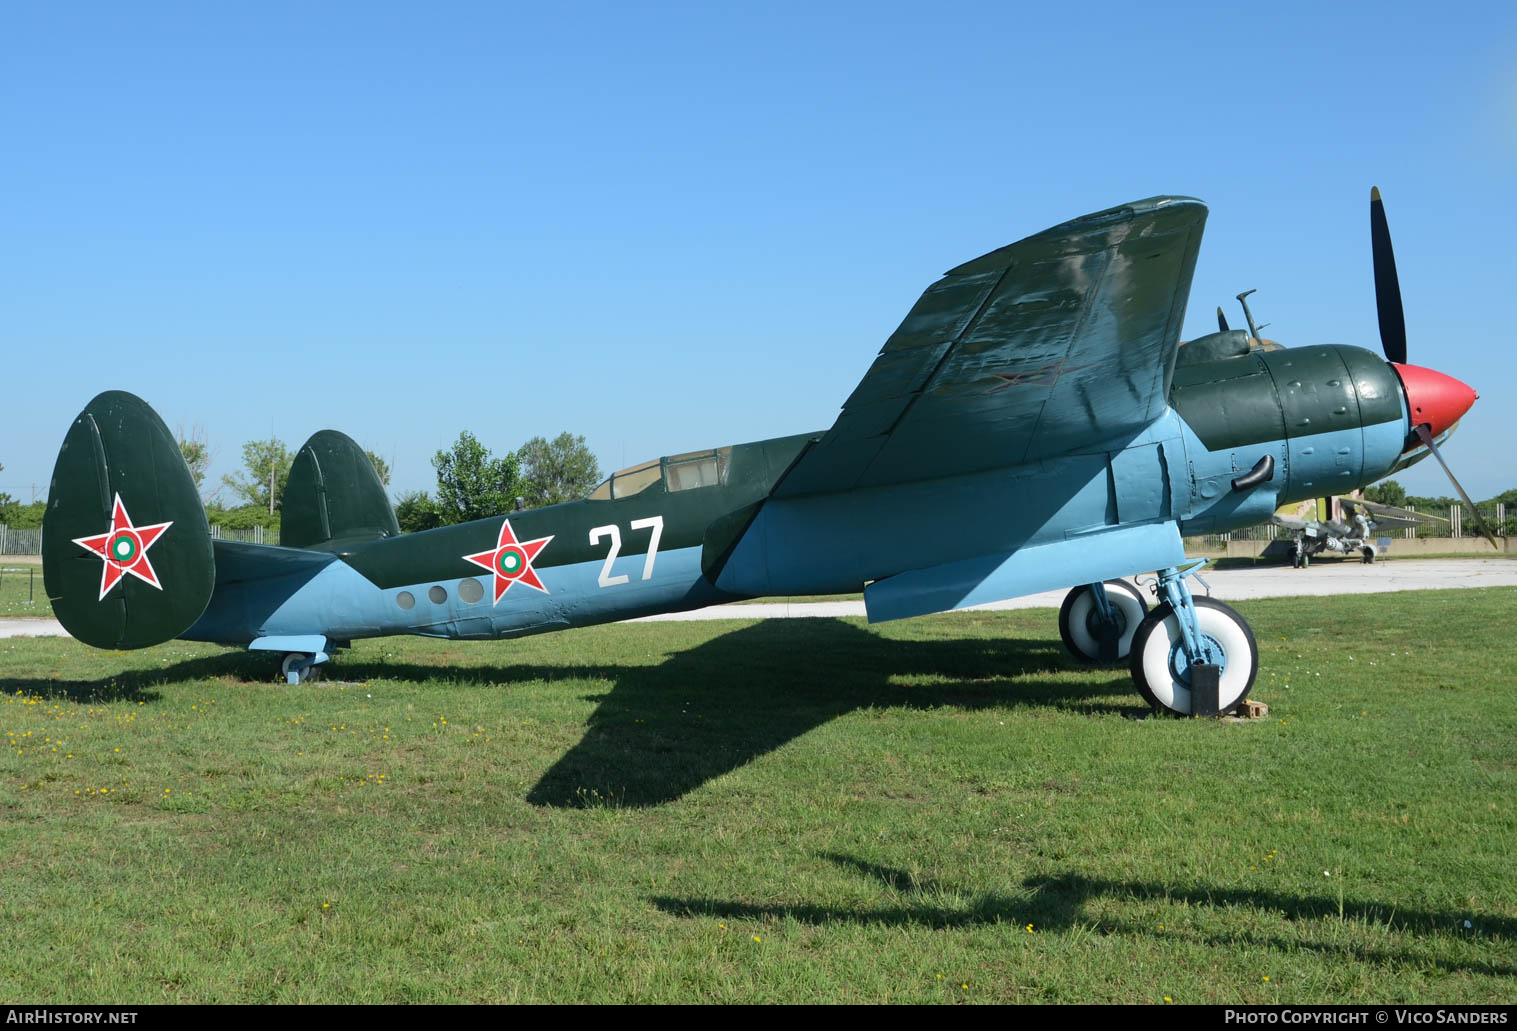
x=1454 y=522
x=16 y=541
x=250 y=535
x=1461 y=523
x=20 y=542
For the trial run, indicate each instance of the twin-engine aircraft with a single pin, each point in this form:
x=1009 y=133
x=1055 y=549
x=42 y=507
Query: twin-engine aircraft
x=1033 y=423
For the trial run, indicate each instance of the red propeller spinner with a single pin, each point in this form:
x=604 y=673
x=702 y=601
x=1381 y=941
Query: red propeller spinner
x=1433 y=398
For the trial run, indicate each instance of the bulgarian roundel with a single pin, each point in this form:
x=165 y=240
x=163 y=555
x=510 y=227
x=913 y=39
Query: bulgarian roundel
x=124 y=548
x=510 y=561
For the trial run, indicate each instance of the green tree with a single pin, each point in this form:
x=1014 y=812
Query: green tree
x=416 y=511
x=244 y=517
x=21 y=517
x=563 y=470
x=1386 y=492
x=196 y=452
x=1432 y=506
x=473 y=485
x=263 y=460
x=380 y=466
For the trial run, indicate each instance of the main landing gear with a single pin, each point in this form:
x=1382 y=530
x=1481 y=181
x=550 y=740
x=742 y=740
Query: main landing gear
x=1098 y=621
x=1189 y=656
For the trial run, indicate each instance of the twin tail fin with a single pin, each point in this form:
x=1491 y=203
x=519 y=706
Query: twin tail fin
x=126 y=552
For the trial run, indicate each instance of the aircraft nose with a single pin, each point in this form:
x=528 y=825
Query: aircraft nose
x=1434 y=398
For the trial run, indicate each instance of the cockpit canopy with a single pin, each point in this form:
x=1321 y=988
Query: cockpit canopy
x=676 y=472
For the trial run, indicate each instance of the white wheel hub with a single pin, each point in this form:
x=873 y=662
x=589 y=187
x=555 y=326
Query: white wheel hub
x=1162 y=650
x=1083 y=616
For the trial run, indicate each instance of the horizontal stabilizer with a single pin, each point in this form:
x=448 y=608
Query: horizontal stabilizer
x=126 y=552
x=1085 y=559
x=237 y=562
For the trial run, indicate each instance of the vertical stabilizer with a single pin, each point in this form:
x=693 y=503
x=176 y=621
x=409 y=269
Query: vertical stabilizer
x=334 y=494
x=126 y=552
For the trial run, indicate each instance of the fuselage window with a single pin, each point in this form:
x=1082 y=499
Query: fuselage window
x=697 y=469
x=700 y=472
x=635 y=480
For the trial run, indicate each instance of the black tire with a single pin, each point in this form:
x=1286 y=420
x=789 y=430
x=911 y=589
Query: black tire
x=1075 y=612
x=1155 y=642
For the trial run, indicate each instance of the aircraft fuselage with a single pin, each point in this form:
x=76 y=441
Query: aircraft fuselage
x=697 y=530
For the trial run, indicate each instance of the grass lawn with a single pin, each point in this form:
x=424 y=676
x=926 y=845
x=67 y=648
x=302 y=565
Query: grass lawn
x=937 y=810
x=21 y=589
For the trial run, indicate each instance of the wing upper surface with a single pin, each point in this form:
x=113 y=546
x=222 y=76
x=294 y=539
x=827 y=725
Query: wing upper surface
x=1047 y=346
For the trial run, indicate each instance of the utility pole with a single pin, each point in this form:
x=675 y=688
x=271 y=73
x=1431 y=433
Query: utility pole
x=271 y=475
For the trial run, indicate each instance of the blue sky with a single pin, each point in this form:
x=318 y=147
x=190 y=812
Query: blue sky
x=675 y=226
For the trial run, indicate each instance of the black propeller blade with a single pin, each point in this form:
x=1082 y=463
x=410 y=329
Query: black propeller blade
x=1221 y=319
x=1387 y=286
x=1426 y=437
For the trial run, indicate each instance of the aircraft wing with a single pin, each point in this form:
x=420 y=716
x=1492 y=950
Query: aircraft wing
x=1387 y=523
x=1061 y=342
x=1382 y=513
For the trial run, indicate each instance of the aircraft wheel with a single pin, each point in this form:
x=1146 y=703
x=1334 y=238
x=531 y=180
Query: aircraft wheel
x=1159 y=665
x=298 y=663
x=1369 y=555
x=1080 y=620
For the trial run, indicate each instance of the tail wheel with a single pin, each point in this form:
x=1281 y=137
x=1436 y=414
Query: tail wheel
x=1080 y=619
x=297 y=668
x=1160 y=667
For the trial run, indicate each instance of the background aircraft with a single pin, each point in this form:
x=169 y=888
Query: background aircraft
x=1355 y=533
x=1033 y=423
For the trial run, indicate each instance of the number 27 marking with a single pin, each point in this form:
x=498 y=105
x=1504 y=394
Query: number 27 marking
x=654 y=523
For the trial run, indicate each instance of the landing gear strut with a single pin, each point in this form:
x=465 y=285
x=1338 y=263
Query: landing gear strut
x=1192 y=656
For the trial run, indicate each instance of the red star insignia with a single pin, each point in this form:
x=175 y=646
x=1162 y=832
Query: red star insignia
x=1046 y=376
x=124 y=548
x=511 y=561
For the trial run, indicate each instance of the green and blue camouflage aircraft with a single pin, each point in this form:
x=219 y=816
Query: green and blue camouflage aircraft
x=1354 y=533
x=1034 y=423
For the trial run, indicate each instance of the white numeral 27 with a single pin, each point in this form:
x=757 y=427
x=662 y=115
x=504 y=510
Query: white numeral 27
x=656 y=524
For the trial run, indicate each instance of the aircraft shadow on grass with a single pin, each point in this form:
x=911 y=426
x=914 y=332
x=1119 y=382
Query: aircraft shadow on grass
x=1059 y=903
x=132 y=685
x=662 y=731
x=252 y=671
